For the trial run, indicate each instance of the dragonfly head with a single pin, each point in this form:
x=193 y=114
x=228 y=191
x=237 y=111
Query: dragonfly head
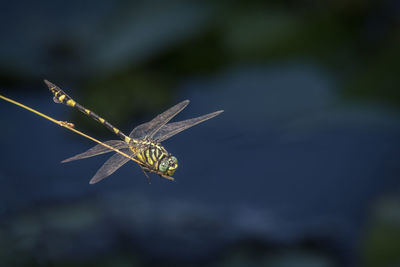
x=168 y=165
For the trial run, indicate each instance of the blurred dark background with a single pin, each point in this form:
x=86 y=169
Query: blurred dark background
x=302 y=168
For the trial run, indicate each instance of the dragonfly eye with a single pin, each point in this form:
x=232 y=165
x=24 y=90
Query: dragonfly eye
x=163 y=167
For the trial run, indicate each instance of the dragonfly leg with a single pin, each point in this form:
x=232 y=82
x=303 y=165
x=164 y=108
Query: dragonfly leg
x=145 y=171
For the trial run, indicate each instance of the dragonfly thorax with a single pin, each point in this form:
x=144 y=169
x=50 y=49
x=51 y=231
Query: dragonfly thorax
x=154 y=157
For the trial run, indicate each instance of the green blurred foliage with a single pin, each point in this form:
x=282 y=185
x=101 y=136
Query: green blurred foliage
x=130 y=59
x=333 y=34
x=381 y=244
x=126 y=96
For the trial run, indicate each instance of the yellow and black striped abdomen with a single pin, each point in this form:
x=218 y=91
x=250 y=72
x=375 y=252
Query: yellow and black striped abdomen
x=61 y=97
x=151 y=155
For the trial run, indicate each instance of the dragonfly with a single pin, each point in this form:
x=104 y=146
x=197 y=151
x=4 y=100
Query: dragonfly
x=142 y=145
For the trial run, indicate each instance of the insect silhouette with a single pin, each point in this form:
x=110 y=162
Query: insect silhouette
x=142 y=145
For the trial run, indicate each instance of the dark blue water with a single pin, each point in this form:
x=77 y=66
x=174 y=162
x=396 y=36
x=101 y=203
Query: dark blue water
x=288 y=158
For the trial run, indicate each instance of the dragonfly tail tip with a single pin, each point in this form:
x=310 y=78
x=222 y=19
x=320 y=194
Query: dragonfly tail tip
x=48 y=83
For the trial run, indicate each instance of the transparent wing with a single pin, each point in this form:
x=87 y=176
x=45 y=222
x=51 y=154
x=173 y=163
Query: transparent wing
x=172 y=129
x=97 y=150
x=148 y=129
x=110 y=166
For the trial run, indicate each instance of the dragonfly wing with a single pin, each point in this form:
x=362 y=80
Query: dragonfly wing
x=172 y=129
x=148 y=129
x=109 y=167
x=97 y=150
